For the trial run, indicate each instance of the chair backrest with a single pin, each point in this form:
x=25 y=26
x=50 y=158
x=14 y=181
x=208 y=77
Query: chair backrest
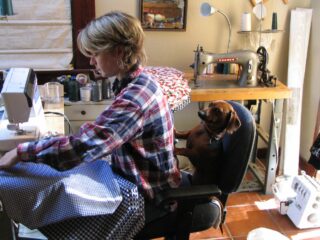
x=237 y=151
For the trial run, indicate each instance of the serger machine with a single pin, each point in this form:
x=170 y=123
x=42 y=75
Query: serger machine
x=304 y=211
x=248 y=60
x=23 y=119
x=299 y=198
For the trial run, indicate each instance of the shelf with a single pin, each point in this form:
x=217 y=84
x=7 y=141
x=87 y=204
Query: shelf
x=262 y=31
x=102 y=102
x=257 y=38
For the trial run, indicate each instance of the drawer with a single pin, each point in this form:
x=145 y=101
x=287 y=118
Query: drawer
x=83 y=112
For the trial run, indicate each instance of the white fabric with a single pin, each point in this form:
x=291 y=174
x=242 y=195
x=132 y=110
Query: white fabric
x=33 y=35
x=41 y=9
x=37 y=26
x=38 y=60
x=265 y=234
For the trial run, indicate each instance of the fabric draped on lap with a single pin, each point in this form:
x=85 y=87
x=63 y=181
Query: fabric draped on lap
x=36 y=195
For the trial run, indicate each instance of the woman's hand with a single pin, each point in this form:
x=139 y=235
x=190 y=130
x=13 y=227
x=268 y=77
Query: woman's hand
x=9 y=159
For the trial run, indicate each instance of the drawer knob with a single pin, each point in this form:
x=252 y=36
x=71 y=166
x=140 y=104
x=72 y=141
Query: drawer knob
x=83 y=112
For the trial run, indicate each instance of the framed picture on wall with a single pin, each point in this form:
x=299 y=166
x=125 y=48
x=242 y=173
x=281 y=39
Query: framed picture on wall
x=163 y=15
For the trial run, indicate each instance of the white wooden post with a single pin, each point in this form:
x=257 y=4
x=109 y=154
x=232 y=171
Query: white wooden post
x=300 y=24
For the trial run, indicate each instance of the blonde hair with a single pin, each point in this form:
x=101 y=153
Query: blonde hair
x=111 y=31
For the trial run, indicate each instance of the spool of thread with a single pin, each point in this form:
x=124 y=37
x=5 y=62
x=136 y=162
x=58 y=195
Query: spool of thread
x=274 y=21
x=73 y=91
x=82 y=79
x=210 y=68
x=246 y=22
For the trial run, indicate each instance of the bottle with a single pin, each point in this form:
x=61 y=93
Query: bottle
x=106 y=89
x=96 y=91
x=73 y=90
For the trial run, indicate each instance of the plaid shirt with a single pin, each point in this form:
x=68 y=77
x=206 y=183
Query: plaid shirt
x=137 y=130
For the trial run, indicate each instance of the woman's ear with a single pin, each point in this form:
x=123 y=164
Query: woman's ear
x=118 y=52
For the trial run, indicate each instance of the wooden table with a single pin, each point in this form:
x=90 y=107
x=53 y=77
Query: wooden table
x=224 y=87
x=229 y=91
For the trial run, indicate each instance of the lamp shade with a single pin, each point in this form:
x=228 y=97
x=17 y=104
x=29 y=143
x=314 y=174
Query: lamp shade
x=6 y=8
x=207 y=10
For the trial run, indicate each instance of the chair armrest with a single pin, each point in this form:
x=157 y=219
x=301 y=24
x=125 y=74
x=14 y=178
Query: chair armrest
x=193 y=192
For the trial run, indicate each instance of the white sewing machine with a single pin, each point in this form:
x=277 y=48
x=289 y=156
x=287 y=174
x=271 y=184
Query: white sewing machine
x=248 y=60
x=299 y=198
x=23 y=119
x=304 y=211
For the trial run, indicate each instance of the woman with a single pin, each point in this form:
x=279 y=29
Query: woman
x=136 y=130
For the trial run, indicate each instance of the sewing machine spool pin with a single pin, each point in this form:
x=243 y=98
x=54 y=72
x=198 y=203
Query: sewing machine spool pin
x=195 y=66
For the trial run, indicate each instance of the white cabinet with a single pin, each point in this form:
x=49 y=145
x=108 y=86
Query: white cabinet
x=80 y=112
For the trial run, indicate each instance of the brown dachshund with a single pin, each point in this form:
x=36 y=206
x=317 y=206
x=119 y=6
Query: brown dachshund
x=204 y=142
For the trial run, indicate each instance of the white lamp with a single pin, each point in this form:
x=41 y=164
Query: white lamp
x=207 y=10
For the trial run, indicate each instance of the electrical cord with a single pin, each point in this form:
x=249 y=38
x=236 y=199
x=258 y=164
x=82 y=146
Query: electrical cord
x=229 y=25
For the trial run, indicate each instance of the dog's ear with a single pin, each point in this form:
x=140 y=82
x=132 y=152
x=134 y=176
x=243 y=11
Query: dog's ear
x=234 y=123
x=202 y=115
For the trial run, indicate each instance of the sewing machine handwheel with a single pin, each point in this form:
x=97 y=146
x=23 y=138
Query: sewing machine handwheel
x=263 y=58
x=263 y=54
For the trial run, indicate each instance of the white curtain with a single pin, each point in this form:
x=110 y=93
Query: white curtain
x=38 y=36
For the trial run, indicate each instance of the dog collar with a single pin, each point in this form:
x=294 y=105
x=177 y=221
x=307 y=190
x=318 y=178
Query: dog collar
x=215 y=143
x=213 y=140
x=213 y=137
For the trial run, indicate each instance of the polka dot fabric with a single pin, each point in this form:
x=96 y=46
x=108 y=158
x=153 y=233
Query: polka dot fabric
x=173 y=84
x=124 y=223
x=37 y=195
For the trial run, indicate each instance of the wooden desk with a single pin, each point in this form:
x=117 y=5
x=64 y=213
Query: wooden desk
x=224 y=87
x=278 y=92
x=225 y=92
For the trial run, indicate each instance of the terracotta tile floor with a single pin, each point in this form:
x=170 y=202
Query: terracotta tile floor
x=249 y=210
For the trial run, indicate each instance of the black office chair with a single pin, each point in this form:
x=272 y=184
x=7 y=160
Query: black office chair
x=195 y=211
